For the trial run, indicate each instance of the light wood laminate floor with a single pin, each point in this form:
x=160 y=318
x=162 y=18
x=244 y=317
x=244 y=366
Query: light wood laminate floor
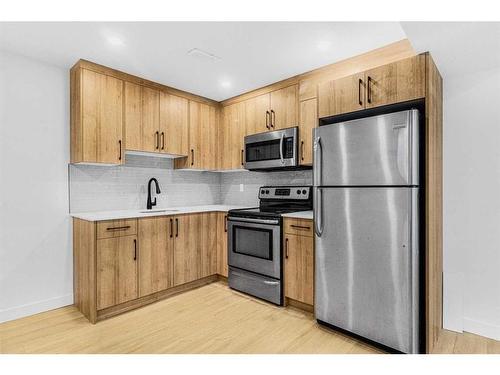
x=210 y=319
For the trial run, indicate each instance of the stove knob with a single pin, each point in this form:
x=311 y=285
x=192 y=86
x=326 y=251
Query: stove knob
x=262 y=191
x=298 y=191
x=304 y=191
x=267 y=191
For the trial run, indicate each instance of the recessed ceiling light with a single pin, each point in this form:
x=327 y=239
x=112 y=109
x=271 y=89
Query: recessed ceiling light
x=225 y=83
x=324 y=45
x=115 y=40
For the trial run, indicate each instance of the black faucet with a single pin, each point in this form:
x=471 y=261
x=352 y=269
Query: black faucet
x=150 y=203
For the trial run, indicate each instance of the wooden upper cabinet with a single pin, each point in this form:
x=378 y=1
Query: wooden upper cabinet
x=231 y=136
x=142 y=118
x=174 y=124
x=203 y=123
x=341 y=95
x=397 y=82
x=308 y=121
x=155 y=254
x=284 y=108
x=257 y=114
x=96 y=118
x=116 y=271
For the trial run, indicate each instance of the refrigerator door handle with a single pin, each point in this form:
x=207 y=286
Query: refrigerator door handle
x=318 y=198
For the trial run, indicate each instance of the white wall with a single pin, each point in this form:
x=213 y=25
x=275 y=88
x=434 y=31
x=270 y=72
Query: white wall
x=35 y=233
x=471 y=150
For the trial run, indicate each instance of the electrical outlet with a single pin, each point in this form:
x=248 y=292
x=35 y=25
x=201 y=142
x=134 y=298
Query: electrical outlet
x=242 y=187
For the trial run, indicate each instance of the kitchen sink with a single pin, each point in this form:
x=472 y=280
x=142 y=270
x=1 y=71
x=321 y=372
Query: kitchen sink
x=156 y=211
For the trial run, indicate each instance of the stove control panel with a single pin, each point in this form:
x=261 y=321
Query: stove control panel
x=285 y=192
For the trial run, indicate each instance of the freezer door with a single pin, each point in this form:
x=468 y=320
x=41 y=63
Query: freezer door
x=380 y=150
x=367 y=264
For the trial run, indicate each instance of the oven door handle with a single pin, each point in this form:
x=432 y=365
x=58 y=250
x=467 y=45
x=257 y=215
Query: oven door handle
x=256 y=221
x=281 y=148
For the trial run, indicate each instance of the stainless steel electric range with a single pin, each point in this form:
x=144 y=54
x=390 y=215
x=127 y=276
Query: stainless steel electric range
x=255 y=241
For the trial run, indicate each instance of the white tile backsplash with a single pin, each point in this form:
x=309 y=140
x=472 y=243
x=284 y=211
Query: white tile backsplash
x=104 y=188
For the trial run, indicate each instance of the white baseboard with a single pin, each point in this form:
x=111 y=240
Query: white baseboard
x=481 y=328
x=35 y=308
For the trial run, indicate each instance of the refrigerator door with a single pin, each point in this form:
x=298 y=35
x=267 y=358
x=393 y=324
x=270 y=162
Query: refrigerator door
x=380 y=150
x=367 y=264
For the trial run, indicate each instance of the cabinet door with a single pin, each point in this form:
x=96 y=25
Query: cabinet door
x=308 y=121
x=222 y=268
x=155 y=254
x=342 y=95
x=232 y=136
x=102 y=124
x=299 y=268
x=397 y=82
x=257 y=114
x=150 y=119
x=174 y=124
x=207 y=150
x=116 y=271
x=208 y=245
x=187 y=252
x=284 y=108
x=133 y=116
x=193 y=160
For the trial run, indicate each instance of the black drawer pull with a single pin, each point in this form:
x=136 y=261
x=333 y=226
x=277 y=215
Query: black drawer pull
x=119 y=228
x=299 y=227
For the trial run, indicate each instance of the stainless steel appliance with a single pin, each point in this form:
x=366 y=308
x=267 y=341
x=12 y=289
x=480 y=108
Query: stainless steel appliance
x=272 y=150
x=255 y=241
x=366 y=210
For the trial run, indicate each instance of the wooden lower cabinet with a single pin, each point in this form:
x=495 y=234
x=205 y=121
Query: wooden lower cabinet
x=156 y=254
x=299 y=265
x=116 y=271
x=222 y=267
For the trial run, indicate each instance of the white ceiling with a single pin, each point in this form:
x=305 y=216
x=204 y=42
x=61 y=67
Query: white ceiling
x=458 y=48
x=251 y=54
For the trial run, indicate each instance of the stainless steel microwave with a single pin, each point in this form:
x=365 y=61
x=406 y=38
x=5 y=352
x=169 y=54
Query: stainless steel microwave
x=272 y=150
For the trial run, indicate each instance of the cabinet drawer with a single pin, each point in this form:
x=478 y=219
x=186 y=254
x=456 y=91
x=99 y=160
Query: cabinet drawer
x=301 y=227
x=116 y=228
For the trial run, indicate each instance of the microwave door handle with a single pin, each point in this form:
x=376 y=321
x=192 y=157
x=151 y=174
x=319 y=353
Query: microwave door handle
x=281 y=148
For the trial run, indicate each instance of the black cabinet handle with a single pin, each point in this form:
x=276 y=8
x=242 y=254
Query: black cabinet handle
x=176 y=227
x=242 y=154
x=162 y=140
x=120 y=149
x=225 y=223
x=273 y=118
x=286 y=248
x=157 y=140
x=171 y=228
x=369 y=98
x=302 y=150
x=299 y=227
x=118 y=228
x=360 y=83
x=135 y=249
x=192 y=157
x=268 y=115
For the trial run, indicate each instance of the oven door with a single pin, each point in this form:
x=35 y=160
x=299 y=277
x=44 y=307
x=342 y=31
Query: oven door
x=255 y=245
x=271 y=150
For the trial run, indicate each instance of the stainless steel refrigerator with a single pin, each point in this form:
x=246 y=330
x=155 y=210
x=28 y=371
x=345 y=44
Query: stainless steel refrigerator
x=366 y=211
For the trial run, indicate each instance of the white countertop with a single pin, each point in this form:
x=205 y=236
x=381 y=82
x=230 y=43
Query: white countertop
x=300 y=215
x=168 y=211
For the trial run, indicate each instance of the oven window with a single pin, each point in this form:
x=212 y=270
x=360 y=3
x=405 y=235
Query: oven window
x=254 y=242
